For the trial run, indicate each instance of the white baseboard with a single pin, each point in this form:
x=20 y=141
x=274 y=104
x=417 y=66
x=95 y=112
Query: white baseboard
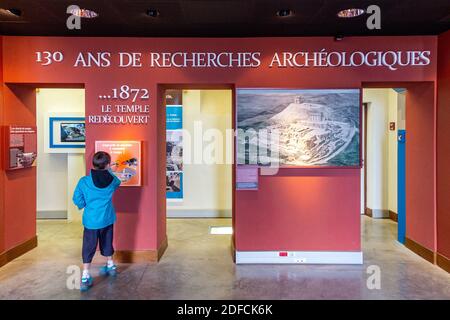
x=193 y=213
x=299 y=257
x=51 y=214
x=380 y=213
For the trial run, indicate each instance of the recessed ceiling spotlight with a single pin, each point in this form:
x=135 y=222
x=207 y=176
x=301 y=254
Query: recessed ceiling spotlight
x=84 y=13
x=284 y=13
x=13 y=12
x=350 y=13
x=152 y=13
x=16 y=12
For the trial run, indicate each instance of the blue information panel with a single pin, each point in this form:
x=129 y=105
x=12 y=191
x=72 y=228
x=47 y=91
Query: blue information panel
x=174 y=117
x=174 y=150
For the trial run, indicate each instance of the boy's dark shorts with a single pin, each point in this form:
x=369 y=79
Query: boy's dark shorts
x=103 y=237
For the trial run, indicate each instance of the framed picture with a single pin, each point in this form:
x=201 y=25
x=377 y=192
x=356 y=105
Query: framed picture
x=125 y=160
x=66 y=133
x=73 y=132
x=299 y=128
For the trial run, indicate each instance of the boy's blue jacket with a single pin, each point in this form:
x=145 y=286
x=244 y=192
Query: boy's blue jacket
x=99 y=211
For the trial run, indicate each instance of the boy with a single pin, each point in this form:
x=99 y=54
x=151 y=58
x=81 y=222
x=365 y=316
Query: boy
x=94 y=194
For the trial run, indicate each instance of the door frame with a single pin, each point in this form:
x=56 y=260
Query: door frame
x=162 y=87
x=365 y=106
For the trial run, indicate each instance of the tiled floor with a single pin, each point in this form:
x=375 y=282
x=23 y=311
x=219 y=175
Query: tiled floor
x=199 y=266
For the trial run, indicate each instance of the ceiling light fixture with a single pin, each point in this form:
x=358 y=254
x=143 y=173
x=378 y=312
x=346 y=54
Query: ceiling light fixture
x=284 y=13
x=14 y=12
x=84 y=13
x=152 y=13
x=350 y=13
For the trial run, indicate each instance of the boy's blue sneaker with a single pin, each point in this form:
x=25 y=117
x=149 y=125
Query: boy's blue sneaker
x=86 y=283
x=108 y=271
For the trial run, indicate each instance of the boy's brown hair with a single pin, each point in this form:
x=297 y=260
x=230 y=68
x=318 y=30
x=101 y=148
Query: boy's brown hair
x=101 y=160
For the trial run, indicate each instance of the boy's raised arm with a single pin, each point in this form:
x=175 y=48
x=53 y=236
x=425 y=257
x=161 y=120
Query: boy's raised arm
x=116 y=180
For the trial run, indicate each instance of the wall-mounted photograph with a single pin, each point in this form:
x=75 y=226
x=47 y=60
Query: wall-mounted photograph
x=66 y=133
x=73 y=132
x=315 y=128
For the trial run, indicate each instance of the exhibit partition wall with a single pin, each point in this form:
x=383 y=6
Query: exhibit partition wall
x=61 y=142
x=199 y=153
x=443 y=169
x=384 y=110
x=382 y=182
x=301 y=207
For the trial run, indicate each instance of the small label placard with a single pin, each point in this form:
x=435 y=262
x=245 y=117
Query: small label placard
x=247 y=177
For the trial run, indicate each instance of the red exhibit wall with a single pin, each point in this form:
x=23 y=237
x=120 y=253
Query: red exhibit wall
x=298 y=209
x=19 y=185
x=2 y=166
x=421 y=164
x=301 y=209
x=420 y=160
x=443 y=147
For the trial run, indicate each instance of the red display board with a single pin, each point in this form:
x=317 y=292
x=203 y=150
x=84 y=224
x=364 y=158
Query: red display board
x=125 y=160
x=21 y=147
